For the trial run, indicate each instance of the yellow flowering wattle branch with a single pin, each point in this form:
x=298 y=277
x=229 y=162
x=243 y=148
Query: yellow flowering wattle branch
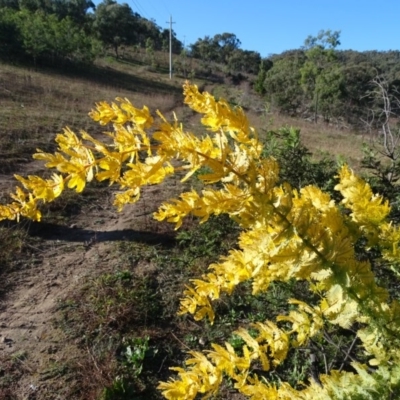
x=206 y=372
x=286 y=234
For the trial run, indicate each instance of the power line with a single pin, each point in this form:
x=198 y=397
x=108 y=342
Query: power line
x=162 y=1
x=157 y=9
x=140 y=8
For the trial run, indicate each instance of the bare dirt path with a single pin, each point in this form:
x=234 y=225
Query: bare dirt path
x=64 y=257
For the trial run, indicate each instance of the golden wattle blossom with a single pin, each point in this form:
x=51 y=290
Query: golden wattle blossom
x=285 y=234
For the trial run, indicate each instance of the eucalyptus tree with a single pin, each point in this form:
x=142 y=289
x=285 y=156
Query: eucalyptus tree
x=321 y=74
x=116 y=24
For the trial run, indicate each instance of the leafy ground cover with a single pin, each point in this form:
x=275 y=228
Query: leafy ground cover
x=88 y=296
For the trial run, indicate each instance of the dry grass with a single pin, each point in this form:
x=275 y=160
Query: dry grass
x=321 y=139
x=36 y=105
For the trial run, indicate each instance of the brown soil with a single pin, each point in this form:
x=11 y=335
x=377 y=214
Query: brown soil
x=32 y=348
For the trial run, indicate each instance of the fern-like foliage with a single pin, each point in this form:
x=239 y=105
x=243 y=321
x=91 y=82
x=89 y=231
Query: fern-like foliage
x=286 y=234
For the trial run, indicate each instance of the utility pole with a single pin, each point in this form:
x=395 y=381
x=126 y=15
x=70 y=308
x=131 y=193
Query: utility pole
x=170 y=46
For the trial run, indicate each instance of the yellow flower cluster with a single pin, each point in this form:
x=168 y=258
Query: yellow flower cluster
x=206 y=373
x=286 y=234
x=370 y=212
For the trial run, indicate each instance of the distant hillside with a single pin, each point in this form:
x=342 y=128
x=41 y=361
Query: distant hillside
x=319 y=81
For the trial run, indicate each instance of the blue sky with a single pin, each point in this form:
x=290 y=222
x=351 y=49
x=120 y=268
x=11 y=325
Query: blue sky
x=272 y=26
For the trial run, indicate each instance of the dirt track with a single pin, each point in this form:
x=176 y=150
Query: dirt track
x=63 y=258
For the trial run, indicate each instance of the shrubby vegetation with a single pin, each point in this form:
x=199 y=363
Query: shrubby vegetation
x=319 y=80
x=225 y=49
x=287 y=236
x=57 y=31
x=46 y=32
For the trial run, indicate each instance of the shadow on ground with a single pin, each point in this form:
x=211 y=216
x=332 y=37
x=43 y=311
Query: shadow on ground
x=51 y=231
